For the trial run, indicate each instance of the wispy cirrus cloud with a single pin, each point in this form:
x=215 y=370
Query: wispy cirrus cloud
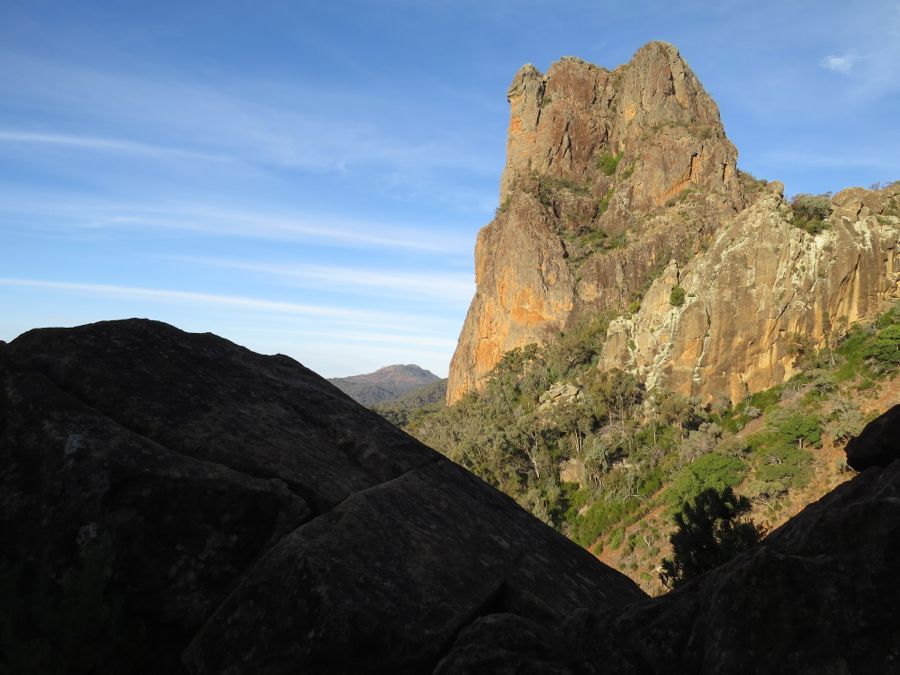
x=368 y=337
x=271 y=123
x=63 y=210
x=96 y=143
x=452 y=287
x=212 y=299
x=875 y=62
x=838 y=160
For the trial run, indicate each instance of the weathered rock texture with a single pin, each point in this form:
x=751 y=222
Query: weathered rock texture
x=818 y=595
x=762 y=289
x=598 y=166
x=171 y=502
x=878 y=444
x=210 y=509
x=578 y=232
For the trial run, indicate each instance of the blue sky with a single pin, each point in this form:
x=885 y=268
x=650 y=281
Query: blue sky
x=309 y=177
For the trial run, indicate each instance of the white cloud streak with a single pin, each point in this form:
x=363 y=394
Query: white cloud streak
x=191 y=297
x=270 y=123
x=457 y=288
x=353 y=337
x=838 y=160
x=104 y=144
x=227 y=222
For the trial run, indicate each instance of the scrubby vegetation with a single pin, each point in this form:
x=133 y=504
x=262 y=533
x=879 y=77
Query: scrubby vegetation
x=397 y=411
x=609 y=162
x=811 y=212
x=607 y=463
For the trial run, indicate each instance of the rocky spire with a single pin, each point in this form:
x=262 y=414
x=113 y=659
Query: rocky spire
x=595 y=161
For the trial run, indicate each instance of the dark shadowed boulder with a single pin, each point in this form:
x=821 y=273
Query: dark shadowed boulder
x=878 y=444
x=818 y=595
x=171 y=501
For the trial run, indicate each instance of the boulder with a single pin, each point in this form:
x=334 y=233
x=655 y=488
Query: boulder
x=878 y=444
x=172 y=502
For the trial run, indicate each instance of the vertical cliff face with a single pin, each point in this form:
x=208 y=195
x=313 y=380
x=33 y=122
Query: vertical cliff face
x=608 y=176
x=762 y=284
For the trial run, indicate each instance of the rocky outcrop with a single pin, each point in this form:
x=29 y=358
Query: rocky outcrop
x=600 y=165
x=818 y=595
x=763 y=290
x=616 y=180
x=878 y=444
x=173 y=502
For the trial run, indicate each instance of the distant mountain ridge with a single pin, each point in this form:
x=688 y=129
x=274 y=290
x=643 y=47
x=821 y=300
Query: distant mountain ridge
x=384 y=384
x=397 y=411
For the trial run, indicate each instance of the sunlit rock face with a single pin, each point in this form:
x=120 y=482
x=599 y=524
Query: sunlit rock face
x=763 y=285
x=621 y=185
x=595 y=159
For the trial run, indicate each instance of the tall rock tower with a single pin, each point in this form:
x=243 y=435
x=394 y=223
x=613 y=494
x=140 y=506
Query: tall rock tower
x=609 y=175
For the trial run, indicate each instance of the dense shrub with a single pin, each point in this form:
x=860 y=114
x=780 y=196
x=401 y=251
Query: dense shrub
x=779 y=460
x=793 y=427
x=608 y=163
x=676 y=297
x=710 y=532
x=885 y=346
x=710 y=471
x=811 y=212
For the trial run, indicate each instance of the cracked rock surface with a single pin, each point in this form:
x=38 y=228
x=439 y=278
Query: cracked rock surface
x=248 y=517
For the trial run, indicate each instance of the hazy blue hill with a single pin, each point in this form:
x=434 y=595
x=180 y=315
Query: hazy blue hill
x=385 y=384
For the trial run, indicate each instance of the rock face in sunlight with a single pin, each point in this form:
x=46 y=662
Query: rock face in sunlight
x=620 y=186
x=762 y=284
x=594 y=158
x=173 y=501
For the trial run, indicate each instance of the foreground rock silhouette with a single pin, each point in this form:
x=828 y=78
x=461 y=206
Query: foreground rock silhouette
x=173 y=502
x=251 y=517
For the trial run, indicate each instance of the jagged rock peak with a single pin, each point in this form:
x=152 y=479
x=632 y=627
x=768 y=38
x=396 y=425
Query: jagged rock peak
x=592 y=156
x=562 y=121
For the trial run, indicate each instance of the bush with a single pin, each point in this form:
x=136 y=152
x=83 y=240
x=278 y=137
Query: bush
x=710 y=471
x=608 y=163
x=885 y=346
x=710 y=532
x=811 y=212
x=779 y=460
x=797 y=428
x=599 y=518
x=676 y=297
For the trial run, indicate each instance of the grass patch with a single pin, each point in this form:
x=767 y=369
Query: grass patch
x=608 y=163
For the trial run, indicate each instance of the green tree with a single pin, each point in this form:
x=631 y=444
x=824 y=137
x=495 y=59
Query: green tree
x=811 y=212
x=710 y=531
x=886 y=346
